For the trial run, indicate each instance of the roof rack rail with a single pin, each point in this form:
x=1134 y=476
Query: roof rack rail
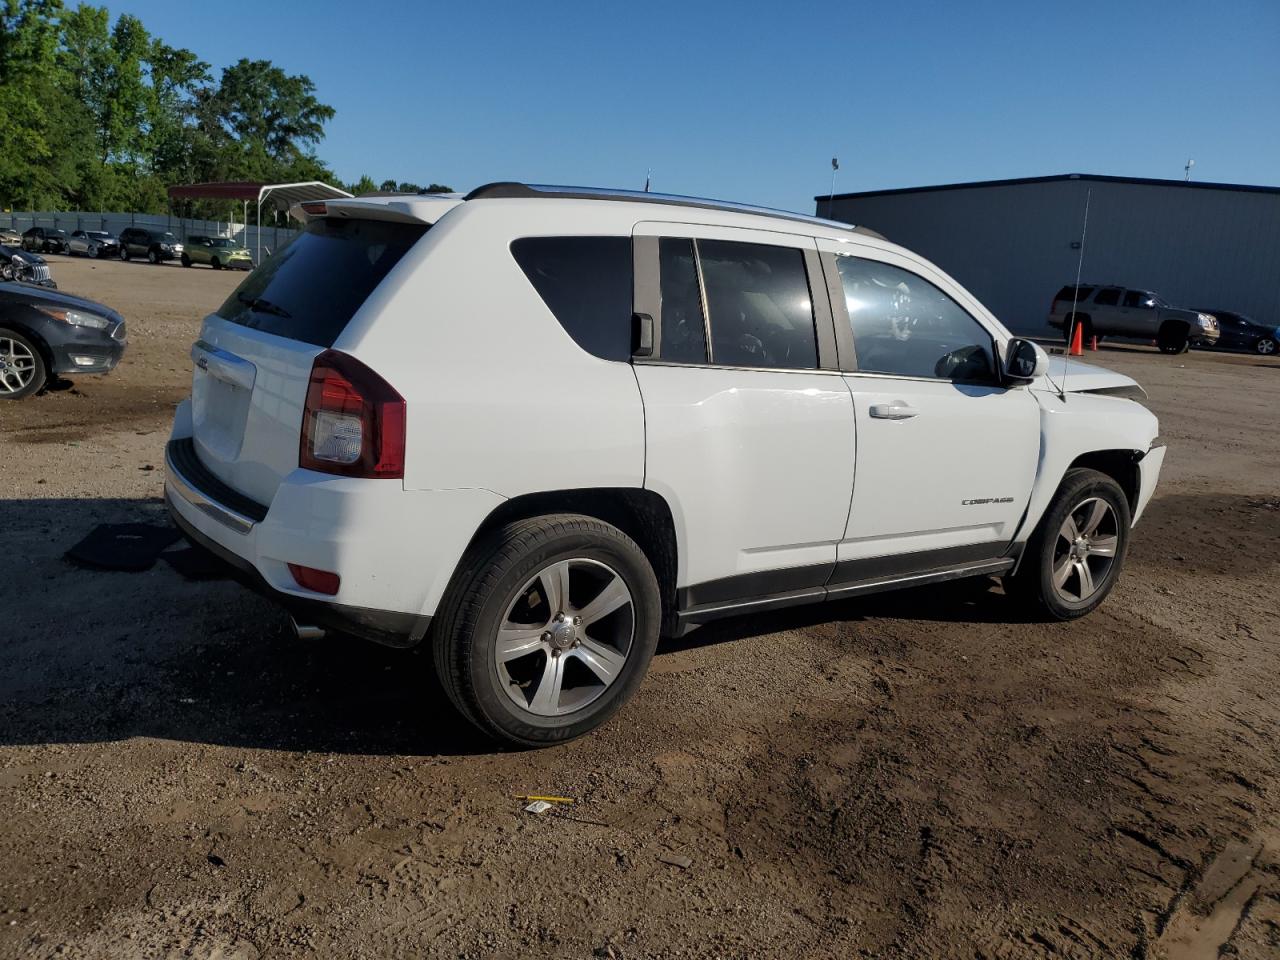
x=508 y=189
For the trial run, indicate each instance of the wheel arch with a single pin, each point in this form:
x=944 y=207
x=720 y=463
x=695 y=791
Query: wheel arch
x=1120 y=465
x=641 y=514
x=32 y=334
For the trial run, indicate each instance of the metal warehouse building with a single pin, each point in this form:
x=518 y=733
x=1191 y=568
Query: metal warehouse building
x=1014 y=243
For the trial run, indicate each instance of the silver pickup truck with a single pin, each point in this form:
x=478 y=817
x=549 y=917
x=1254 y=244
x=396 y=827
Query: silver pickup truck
x=1103 y=310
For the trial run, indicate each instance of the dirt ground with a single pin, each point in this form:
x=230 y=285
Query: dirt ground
x=914 y=775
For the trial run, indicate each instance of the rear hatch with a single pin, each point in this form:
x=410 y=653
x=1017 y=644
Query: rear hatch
x=253 y=359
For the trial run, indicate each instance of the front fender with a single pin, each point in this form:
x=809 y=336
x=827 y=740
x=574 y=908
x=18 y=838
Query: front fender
x=1082 y=424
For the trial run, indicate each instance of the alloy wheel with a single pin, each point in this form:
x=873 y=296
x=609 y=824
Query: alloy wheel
x=1266 y=346
x=565 y=637
x=17 y=365
x=1085 y=550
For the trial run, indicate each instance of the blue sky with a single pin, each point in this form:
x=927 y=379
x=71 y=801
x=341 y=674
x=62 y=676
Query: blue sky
x=749 y=101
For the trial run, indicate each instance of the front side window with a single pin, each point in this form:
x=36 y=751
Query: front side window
x=586 y=283
x=1139 y=299
x=904 y=325
x=1108 y=297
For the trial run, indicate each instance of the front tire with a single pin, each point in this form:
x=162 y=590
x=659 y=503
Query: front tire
x=547 y=629
x=1173 y=338
x=1265 y=347
x=186 y=261
x=22 y=369
x=153 y=256
x=1075 y=556
x=216 y=264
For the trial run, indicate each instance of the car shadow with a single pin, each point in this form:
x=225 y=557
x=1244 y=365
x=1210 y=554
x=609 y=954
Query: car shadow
x=95 y=655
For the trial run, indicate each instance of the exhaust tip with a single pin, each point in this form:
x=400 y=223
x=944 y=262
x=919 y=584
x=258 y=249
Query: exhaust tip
x=305 y=631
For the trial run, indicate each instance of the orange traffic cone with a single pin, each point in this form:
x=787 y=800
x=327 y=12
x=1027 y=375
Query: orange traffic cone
x=1077 y=342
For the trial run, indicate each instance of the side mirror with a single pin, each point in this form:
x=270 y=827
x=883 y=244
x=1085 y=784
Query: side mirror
x=1024 y=361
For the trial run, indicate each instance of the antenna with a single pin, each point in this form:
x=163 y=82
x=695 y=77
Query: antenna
x=1075 y=298
x=835 y=165
x=648 y=175
x=1187 y=170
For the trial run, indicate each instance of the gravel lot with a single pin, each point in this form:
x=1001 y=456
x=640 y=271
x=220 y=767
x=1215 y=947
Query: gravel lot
x=914 y=775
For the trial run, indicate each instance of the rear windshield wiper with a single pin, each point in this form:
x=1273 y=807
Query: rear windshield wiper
x=262 y=305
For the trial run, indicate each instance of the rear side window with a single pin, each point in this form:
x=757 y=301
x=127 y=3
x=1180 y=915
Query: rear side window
x=586 y=283
x=1069 y=293
x=315 y=284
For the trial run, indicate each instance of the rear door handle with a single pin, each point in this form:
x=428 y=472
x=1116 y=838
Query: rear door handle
x=893 y=410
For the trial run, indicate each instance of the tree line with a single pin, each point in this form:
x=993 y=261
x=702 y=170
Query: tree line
x=96 y=115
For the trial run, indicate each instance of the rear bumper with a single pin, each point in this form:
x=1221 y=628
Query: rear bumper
x=381 y=626
x=394 y=550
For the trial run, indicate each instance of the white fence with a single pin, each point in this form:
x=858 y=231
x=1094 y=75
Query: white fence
x=181 y=227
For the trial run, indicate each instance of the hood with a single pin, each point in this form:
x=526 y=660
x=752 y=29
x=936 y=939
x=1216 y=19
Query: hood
x=27 y=293
x=1086 y=378
x=24 y=256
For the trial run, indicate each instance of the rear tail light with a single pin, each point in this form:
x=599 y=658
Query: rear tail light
x=315 y=208
x=353 y=421
x=318 y=581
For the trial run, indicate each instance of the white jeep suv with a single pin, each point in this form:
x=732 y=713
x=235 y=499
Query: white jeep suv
x=537 y=427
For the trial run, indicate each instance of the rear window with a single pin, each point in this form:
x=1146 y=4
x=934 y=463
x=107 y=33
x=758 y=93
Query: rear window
x=586 y=283
x=315 y=283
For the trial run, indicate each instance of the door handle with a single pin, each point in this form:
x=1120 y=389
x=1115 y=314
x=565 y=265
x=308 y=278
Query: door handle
x=894 y=410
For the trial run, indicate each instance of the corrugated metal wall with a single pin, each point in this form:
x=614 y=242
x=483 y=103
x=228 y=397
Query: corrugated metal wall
x=1011 y=244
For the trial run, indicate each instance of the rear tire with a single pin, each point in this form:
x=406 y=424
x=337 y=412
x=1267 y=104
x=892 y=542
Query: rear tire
x=124 y=253
x=1265 y=347
x=1050 y=579
x=22 y=369
x=186 y=261
x=1173 y=338
x=547 y=679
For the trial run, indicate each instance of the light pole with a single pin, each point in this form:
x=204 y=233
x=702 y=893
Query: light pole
x=1187 y=169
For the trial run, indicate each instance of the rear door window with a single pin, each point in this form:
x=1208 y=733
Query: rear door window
x=684 y=330
x=586 y=283
x=314 y=285
x=1108 y=297
x=759 y=304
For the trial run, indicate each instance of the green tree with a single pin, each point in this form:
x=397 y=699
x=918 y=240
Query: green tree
x=364 y=185
x=30 y=170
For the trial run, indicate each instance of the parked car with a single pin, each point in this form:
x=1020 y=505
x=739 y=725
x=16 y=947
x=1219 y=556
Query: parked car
x=1238 y=332
x=10 y=237
x=217 y=252
x=44 y=333
x=156 y=245
x=19 y=265
x=537 y=427
x=45 y=240
x=1111 y=311
x=93 y=243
